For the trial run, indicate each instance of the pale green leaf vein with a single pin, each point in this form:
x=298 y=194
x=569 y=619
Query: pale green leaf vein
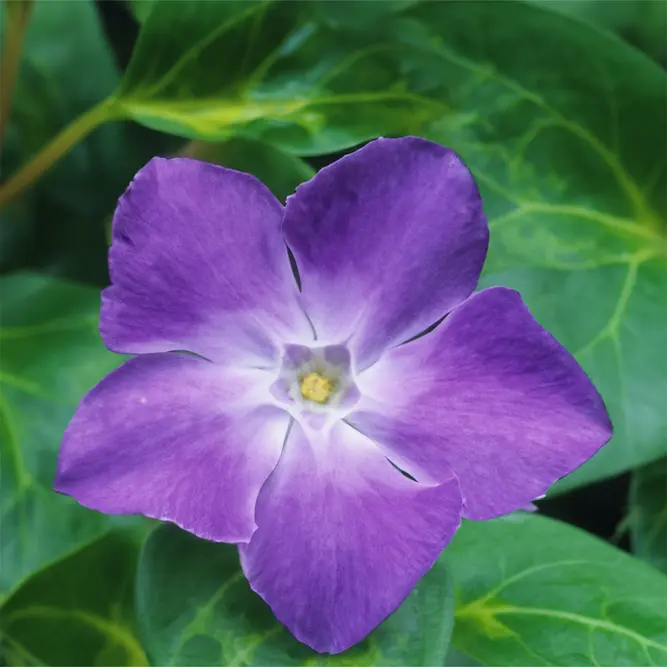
x=607 y=626
x=628 y=185
x=122 y=636
x=199 y=46
x=52 y=326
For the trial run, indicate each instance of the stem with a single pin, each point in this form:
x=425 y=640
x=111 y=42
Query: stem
x=60 y=145
x=17 y=14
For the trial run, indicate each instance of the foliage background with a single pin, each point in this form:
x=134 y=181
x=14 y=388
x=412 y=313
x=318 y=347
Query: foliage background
x=559 y=108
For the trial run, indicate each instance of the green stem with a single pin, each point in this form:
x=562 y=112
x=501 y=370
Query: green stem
x=17 y=13
x=60 y=145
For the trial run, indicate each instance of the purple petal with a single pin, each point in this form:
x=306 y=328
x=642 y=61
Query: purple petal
x=387 y=241
x=343 y=536
x=175 y=438
x=490 y=395
x=198 y=263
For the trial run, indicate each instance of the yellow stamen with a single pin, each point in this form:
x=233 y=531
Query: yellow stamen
x=316 y=388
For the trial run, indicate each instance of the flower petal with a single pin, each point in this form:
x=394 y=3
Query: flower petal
x=490 y=395
x=343 y=536
x=198 y=263
x=175 y=438
x=387 y=240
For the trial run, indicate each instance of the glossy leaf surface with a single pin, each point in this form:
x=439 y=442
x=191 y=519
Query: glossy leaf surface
x=196 y=608
x=533 y=591
x=78 y=611
x=51 y=355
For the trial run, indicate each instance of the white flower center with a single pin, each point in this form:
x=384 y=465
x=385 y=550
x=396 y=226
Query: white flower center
x=316 y=384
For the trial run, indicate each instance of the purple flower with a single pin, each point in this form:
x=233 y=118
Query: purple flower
x=280 y=418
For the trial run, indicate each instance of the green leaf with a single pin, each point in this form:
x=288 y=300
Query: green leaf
x=196 y=608
x=141 y=8
x=51 y=355
x=613 y=15
x=355 y=14
x=534 y=591
x=207 y=70
x=58 y=223
x=78 y=611
x=457 y=659
x=642 y=23
x=648 y=513
x=278 y=170
x=649 y=29
x=571 y=164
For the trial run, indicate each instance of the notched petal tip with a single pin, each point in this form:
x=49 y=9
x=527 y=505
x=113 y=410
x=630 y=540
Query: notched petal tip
x=388 y=239
x=333 y=568
x=167 y=436
x=506 y=405
x=197 y=262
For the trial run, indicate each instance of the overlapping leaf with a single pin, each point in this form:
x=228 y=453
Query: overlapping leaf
x=274 y=70
x=648 y=513
x=79 y=611
x=51 y=355
x=533 y=591
x=196 y=608
x=67 y=67
x=641 y=22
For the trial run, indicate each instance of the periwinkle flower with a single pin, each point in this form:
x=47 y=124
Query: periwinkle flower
x=312 y=425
